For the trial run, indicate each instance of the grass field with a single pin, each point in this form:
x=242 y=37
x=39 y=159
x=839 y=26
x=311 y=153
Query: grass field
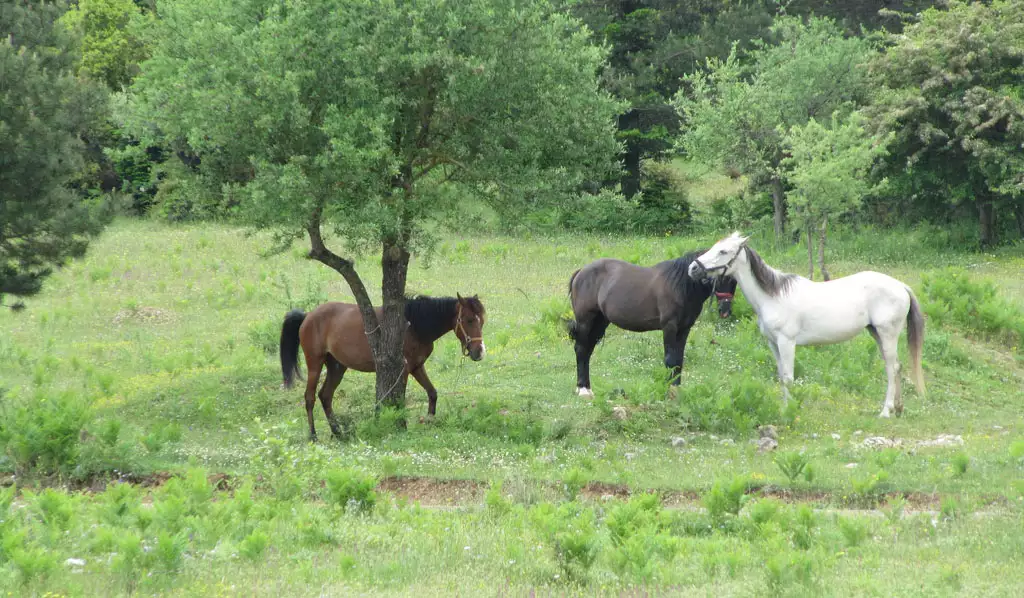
x=161 y=345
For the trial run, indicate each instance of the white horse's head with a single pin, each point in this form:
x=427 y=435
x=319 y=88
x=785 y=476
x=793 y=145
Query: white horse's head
x=720 y=259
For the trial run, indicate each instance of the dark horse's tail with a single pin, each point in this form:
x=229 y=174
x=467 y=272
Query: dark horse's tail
x=571 y=325
x=290 y=345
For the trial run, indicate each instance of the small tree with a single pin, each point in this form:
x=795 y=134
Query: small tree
x=951 y=90
x=356 y=116
x=828 y=172
x=44 y=111
x=111 y=51
x=737 y=116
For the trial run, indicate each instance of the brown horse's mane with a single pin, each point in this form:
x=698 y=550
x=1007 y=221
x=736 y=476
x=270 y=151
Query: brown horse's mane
x=431 y=317
x=773 y=282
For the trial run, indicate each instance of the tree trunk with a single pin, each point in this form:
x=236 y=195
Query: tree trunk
x=390 y=358
x=810 y=250
x=386 y=336
x=1019 y=213
x=986 y=222
x=779 y=202
x=631 y=157
x=821 y=248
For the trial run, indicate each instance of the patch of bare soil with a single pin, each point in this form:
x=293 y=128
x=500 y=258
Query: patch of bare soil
x=434 y=491
x=147 y=315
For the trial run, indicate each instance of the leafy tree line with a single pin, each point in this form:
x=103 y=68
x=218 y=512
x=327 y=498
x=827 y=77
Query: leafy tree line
x=928 y=120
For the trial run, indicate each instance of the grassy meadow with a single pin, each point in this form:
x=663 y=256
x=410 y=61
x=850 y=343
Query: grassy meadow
x=153 y=361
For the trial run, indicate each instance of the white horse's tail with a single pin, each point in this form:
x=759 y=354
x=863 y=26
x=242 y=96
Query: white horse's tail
x=915 y=340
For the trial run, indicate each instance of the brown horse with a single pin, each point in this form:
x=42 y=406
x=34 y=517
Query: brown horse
x=333 y=335
x=663 y=297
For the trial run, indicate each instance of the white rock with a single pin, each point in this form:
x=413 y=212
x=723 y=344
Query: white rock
x=851 y=465
x=620 y=412
x=944 y=440
x=73 y=562
x=882 y=442
x=678 y=441
x=766 y=444
x=836 y=436
x=857 y=433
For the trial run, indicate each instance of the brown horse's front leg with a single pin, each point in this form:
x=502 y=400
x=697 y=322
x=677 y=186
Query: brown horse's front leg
x=420 y=374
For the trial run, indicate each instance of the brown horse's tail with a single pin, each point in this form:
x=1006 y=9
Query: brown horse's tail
x=915 y=340
x=290 y=345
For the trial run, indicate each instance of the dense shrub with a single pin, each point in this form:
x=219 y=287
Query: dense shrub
x=952 y=297
x=739 y=405
x=42 y=432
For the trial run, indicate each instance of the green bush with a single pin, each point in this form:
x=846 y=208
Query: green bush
x=726 y=499
x=739 y=405
x=791 y=464
x=42 y=433
x=570 y=531
x=351 y=489
x=952 y=297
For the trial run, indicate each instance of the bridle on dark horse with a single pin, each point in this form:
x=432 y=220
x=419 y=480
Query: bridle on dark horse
x=465 y=335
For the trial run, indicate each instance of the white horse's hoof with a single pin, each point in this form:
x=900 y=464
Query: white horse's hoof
x=584 y=392
x=884 y=414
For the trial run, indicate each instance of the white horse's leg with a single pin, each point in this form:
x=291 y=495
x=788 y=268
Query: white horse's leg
x=786 y=356
x=887 y=339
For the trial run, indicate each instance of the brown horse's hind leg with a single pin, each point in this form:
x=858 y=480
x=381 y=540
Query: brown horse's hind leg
x=313 y=367
x=335 y=372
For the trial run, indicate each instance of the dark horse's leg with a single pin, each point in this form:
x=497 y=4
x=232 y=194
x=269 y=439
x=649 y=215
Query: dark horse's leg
x=675 y=335
x=335 y=372
x=589 y=331
x=313 y=367
x=420 y=374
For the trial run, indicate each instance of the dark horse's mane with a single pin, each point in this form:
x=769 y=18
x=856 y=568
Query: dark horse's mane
x=677 y=274
x=431 y=317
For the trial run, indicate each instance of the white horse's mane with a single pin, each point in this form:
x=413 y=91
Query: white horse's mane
x=772 y=281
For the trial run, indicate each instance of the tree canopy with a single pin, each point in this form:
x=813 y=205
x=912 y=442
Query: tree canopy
x=44 y=112
x=356 y=117
x=737 y=116
x=951 y=90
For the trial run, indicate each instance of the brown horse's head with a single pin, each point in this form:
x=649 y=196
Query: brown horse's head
x=725 y=289
x=469 y=326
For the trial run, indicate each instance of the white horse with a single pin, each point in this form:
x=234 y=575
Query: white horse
x=792 y=310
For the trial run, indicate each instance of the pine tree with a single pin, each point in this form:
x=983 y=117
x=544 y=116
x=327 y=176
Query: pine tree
x=44 y=111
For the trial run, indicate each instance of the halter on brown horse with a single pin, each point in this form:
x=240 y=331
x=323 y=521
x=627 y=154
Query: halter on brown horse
x=333 y=335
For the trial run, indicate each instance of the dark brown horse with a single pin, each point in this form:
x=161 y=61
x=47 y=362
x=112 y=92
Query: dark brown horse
x=662 y=297
x=333 y=335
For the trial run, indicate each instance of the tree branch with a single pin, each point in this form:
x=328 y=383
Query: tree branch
x=319 y=252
